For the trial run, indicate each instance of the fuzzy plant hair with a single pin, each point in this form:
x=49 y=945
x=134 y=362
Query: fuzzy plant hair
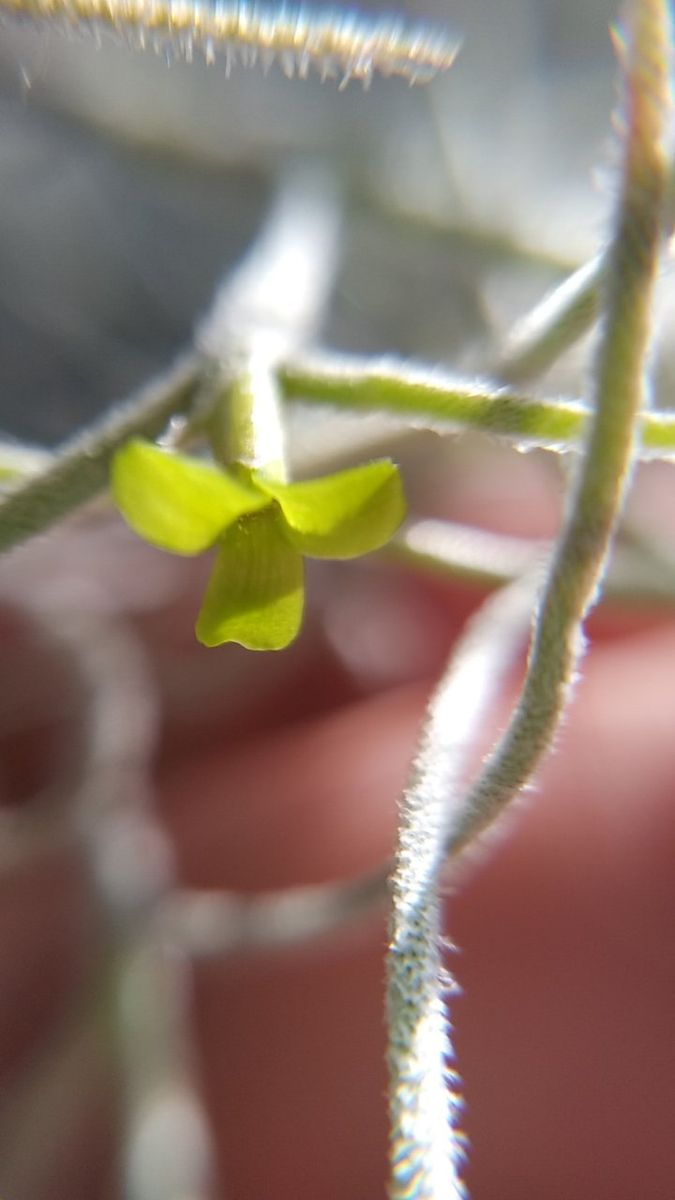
x=198 y=461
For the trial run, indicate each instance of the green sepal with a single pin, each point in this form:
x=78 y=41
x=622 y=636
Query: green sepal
x=255 y=595
x=174 y=501
x=341 y=515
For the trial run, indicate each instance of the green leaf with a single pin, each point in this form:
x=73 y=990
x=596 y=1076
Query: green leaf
x=255 y=594
x=176 y=502
x=341 y=515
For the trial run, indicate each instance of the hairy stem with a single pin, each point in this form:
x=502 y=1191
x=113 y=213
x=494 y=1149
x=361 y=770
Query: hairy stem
x=562 y=317
x=268 y=308
x=618 y=393
x=245 y=425
x=426 y=397
x=334 y=43
x=79 y=471
x=53 y=486
x=553 y=325
x=426 y=1147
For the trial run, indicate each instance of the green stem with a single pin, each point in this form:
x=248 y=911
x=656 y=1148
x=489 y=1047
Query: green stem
x=619 y=392
x=266 y=309
x=423 y=396
x=245 y=427
x=555 y=324
x=562 y=317
x=79 y=471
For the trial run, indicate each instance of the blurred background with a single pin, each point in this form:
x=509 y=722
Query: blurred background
x=129 y=186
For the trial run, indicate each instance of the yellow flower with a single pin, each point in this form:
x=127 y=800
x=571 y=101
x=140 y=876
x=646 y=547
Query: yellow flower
x=261 y=528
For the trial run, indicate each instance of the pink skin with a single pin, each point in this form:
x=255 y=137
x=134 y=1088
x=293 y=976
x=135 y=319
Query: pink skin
x=564 y=925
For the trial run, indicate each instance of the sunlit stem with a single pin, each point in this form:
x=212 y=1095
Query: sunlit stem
x=268 y=307
x=618 y=392
x=246 y=425
x=331 y=41
x=539 y=338
x=428 y=397
x=79 y=471
x=555 y=324
x=426 y=1147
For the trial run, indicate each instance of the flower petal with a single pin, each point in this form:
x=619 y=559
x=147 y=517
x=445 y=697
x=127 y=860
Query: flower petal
x=255 y=594
x=176 y=502
x=341 y=515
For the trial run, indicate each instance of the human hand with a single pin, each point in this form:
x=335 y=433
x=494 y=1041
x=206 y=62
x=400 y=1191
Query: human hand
x=291 y=777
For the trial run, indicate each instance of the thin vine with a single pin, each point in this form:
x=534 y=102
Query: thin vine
x=231 y=392
x=618 y=393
